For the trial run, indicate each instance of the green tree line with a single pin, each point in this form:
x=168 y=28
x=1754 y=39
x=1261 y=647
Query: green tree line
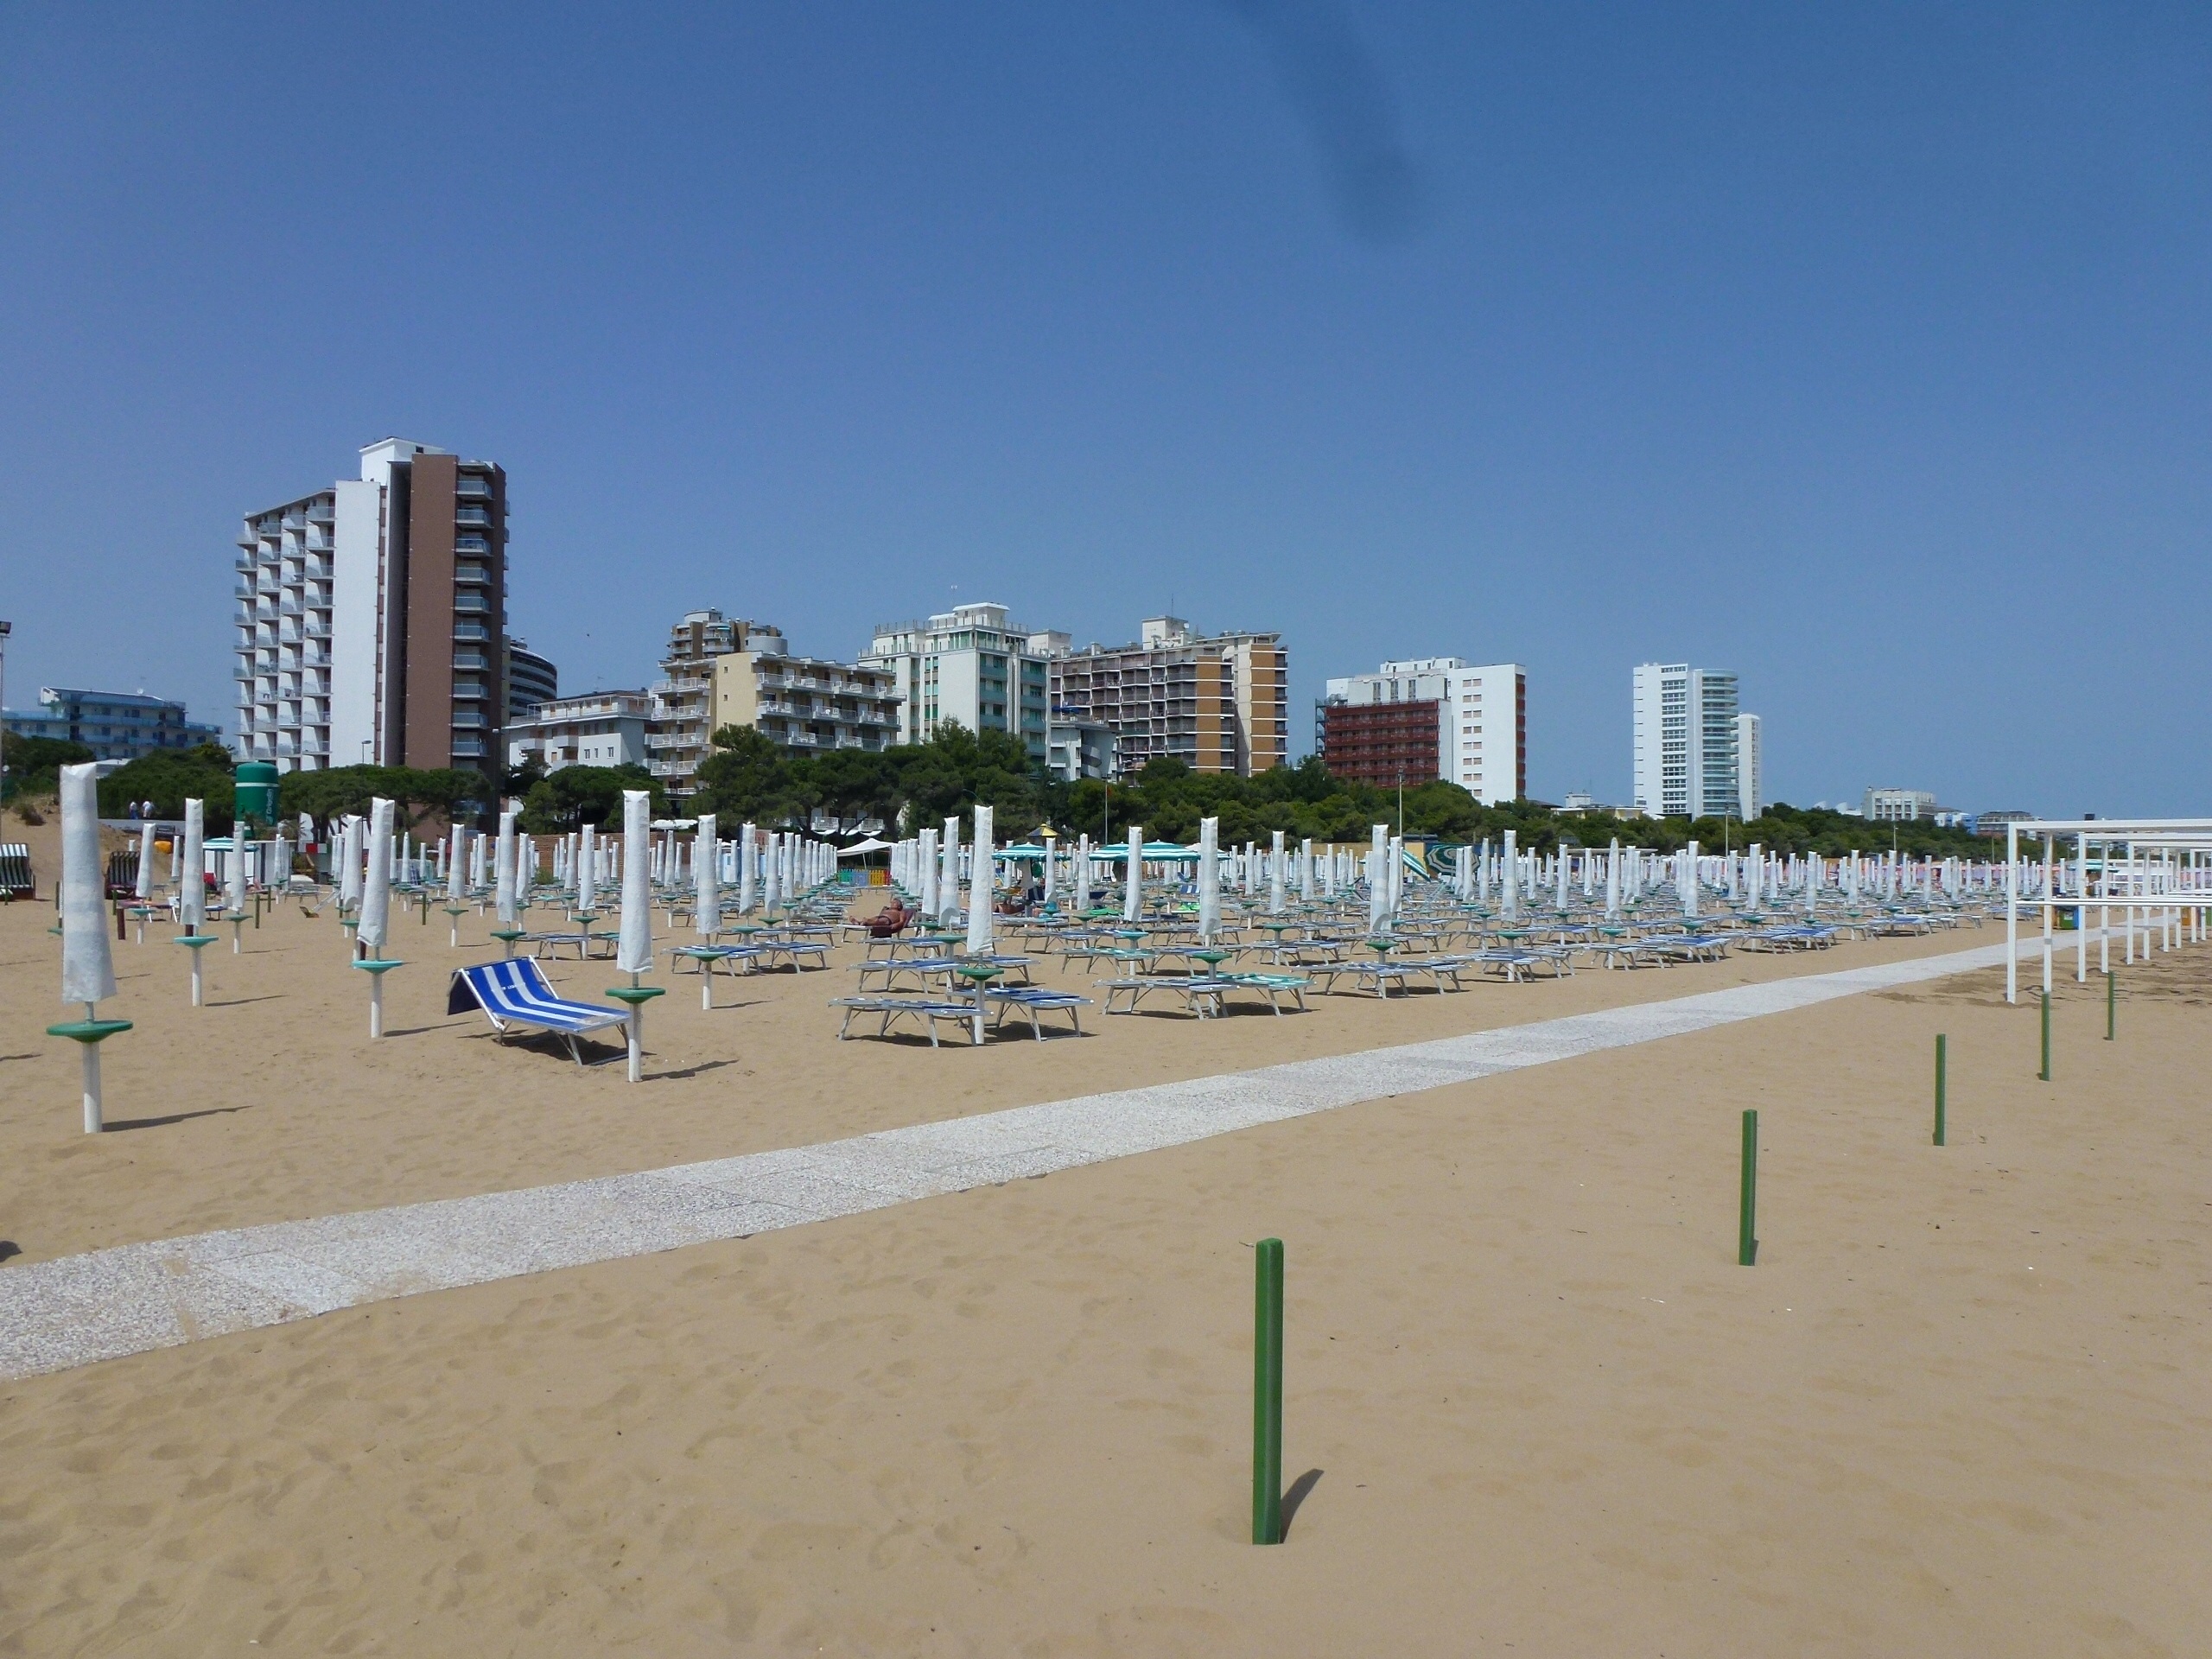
x=910 y=786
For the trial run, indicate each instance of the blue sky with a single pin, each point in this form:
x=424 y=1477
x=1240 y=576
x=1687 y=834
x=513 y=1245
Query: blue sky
x=1861 y=350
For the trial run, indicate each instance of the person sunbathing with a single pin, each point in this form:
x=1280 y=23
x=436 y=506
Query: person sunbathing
x=894 y=919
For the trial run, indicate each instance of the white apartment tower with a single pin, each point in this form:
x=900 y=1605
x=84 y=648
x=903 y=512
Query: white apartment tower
x=1751 y=766
x=370 y=618
x=1686 y=758
x=968 y=665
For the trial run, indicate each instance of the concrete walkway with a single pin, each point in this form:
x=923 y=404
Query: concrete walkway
x=105 y=1303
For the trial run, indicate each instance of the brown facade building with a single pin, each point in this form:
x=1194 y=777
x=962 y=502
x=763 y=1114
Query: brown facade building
x=1430 y=718
x=370 y=619
x=1384 y=744
x=1218 y=703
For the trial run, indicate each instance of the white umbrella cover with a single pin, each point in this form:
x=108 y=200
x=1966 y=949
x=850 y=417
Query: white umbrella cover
x=979 y=887
x=706 y=872
x=634 y=948
x=192 y=879
x=948 y=880
x=1209 y=879
x=376 y=893
x=508 y=877
x=87 y=971
x=1135 y=886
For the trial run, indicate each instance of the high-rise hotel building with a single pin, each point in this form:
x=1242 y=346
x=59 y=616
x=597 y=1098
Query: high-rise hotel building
x=370 y=618
x=1430 y=717
x=1219 y=702
x=1690 y=737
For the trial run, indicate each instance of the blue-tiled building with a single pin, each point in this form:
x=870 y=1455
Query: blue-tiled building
x=113 y=724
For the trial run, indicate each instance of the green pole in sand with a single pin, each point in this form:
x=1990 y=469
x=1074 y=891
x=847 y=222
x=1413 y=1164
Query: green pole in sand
x=2045 y=1073
x=1266 y=1395
x=1747 y=1243
x=1940 y=1041
x=2111 y=1003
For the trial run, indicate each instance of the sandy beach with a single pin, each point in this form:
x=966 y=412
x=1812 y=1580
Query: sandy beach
x=1532 y=1404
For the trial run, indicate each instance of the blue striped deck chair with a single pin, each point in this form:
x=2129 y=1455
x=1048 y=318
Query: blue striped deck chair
x=515 y=992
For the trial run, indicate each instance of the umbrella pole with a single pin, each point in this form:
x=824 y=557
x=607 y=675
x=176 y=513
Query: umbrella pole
x=376 y=1004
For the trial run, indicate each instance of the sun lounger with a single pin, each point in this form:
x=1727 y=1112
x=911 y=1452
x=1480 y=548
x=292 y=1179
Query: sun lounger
x=929 y=1011
x=514 y=993
x=1273 y=987
x=791 y=950
x=703 y=956
x=1033 y=1000
x=1201 y=996
x=1379 y=975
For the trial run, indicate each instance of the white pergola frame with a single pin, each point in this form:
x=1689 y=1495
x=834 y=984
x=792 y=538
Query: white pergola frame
x=2167 y=865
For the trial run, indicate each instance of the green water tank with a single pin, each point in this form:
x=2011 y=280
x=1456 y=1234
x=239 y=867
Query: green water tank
x=257 y=793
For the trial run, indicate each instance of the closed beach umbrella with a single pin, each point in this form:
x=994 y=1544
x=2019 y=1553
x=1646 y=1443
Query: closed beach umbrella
x=1080 y=875
x=1306 y=870
x=456 y=867
x=1275 y=874
x=87 y=972
x=1508 y=881
x=1689 y=881
x=948 y=875
x=1133 y=893
x=1614 y=882
x=191 y=879
x=706 y=875
x=145 y=888
x=927 y=873
x=979 y=887
x=634 y=948
x=749 y=893
x=1209 y=879
x=235 y=873
x=1378 y=879
x=376 y=893
x=507 y=877
x=587 y=868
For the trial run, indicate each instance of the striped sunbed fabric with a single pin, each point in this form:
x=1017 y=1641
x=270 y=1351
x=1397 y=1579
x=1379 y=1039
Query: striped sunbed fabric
x=515 y=992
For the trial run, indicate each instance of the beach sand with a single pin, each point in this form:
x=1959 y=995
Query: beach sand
x=1957 y=1408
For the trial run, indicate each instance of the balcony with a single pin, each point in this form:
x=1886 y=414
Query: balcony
x=472 y=484
x=468 y=690
x=318 y=514
x=472 y=631
x=474 y=660
x=316 y=569
x=471 y=573
x=314 y=746
x=473 y=516
x=467 y=748
x=470 y=605
x=471 y=544
x=666 y=769
x=469 y=719
x=315 y=628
